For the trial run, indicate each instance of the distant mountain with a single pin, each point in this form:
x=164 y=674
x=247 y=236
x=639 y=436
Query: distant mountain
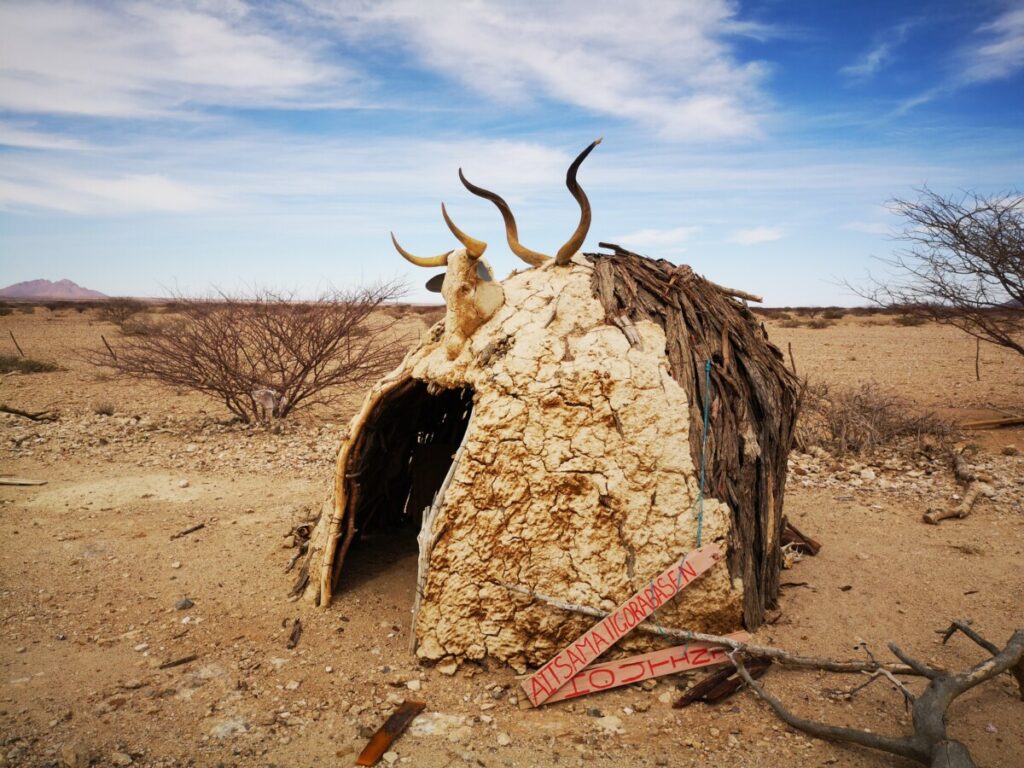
x=47 y=289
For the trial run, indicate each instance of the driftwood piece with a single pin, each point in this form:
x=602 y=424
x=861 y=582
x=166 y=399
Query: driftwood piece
x=720 y=685
x=32 y=415
x=754 y=400
x=930 y=743
x=391 y=730
x=16 y=344
x=935 y=514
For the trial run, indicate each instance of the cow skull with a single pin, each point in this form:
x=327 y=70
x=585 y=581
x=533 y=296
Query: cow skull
x=469 y=289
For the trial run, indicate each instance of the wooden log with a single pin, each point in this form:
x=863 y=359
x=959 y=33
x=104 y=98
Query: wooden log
x=187 y=531
x=963 y=509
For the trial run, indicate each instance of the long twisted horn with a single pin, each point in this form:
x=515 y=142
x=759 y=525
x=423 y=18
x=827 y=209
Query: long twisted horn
x=575 y=242
x=532 y=258
x=421 y=261
x=474 y=248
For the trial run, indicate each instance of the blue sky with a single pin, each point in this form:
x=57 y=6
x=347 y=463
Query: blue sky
x=155 y=146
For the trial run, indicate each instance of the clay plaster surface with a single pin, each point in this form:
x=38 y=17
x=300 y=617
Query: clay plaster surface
x=576 y=479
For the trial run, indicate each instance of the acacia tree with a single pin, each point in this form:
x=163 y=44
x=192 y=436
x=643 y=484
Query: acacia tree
x=963 y=265
x=267 y=354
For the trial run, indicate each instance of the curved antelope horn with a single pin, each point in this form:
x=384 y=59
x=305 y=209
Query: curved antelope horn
x=421 y=261
x=575 y=242
x=532 y=258
x=474 y=248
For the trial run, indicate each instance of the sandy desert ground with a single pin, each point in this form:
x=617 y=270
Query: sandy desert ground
x=90 y=580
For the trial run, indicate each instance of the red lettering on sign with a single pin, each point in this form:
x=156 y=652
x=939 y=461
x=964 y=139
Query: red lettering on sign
x=590 y=645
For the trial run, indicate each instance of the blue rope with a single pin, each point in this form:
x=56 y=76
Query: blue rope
x=703 y=449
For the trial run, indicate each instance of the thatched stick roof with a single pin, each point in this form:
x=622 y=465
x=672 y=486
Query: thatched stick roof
x=754 y=399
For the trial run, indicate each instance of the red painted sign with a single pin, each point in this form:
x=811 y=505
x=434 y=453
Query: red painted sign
x=563 y=667
x=667 y=661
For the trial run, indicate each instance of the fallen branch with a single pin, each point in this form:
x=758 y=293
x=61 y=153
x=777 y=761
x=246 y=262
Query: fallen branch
x=34 y=416
x=750 y=650
x=1008 y=421
x=963 y=509
x=8 y=480
x=719 y=685
x=178 y=662
x=929 y=744
x=391 y=730
x=187 y=531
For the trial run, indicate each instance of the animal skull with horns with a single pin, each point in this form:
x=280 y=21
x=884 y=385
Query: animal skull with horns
x=468 y=286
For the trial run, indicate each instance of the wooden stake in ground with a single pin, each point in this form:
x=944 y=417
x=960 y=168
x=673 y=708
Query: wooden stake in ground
x=16 y=344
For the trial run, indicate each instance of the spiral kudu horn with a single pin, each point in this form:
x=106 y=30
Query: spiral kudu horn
x=575 y=242
x=535 y=258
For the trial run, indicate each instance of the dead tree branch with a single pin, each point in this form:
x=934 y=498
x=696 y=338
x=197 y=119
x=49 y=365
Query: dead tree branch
x=750 y=650
x=929 y=744
x=33 y=415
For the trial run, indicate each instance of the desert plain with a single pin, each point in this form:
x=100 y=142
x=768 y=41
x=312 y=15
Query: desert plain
x=97 y=595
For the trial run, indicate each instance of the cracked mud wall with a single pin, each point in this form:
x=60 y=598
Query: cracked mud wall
x=576 y=479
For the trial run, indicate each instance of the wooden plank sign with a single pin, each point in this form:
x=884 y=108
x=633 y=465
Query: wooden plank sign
x=562 y=668
x=667 y=661
x=387 y=733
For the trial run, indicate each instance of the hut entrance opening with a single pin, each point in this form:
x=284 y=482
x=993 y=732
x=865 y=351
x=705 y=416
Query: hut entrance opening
x=399 y=463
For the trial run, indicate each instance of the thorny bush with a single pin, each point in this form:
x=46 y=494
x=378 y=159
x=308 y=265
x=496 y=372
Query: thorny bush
x=266 y=355
x=859 y=420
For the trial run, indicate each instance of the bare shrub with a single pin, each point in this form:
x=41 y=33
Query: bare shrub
x=834 y=313
x=103 y=409
x=266 y=355
x=119 y=311
x=791 y=322
x=862 y=419
x=910 y=321
x=819 y=323
x=963 y=265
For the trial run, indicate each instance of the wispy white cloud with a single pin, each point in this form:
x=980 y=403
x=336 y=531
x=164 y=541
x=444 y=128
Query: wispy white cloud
x=147 y=59
x=658 y=238
x=994 y=51
x=12 y=135
x=756 y=235
x=669 y=66
x=876 y=58
x=997 y=51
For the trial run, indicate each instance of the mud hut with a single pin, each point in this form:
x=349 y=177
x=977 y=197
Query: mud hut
x=550 y=434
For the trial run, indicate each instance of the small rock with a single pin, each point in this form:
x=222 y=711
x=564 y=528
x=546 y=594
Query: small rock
x=504 y=739
x=74 y=756
x=328 y=669
x=390 y=758
x=176 y=564
x=141 y=647
x=413 y=685
x=1010 y=450
x=228 y=728
x=594 y=712
x=293 y=685
x=666 y=697
x=610 y=723
x=121 y=758
x=448 y=667
x=183 y=483
x=733 y=741
x=20 y=649
x=183 y=605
